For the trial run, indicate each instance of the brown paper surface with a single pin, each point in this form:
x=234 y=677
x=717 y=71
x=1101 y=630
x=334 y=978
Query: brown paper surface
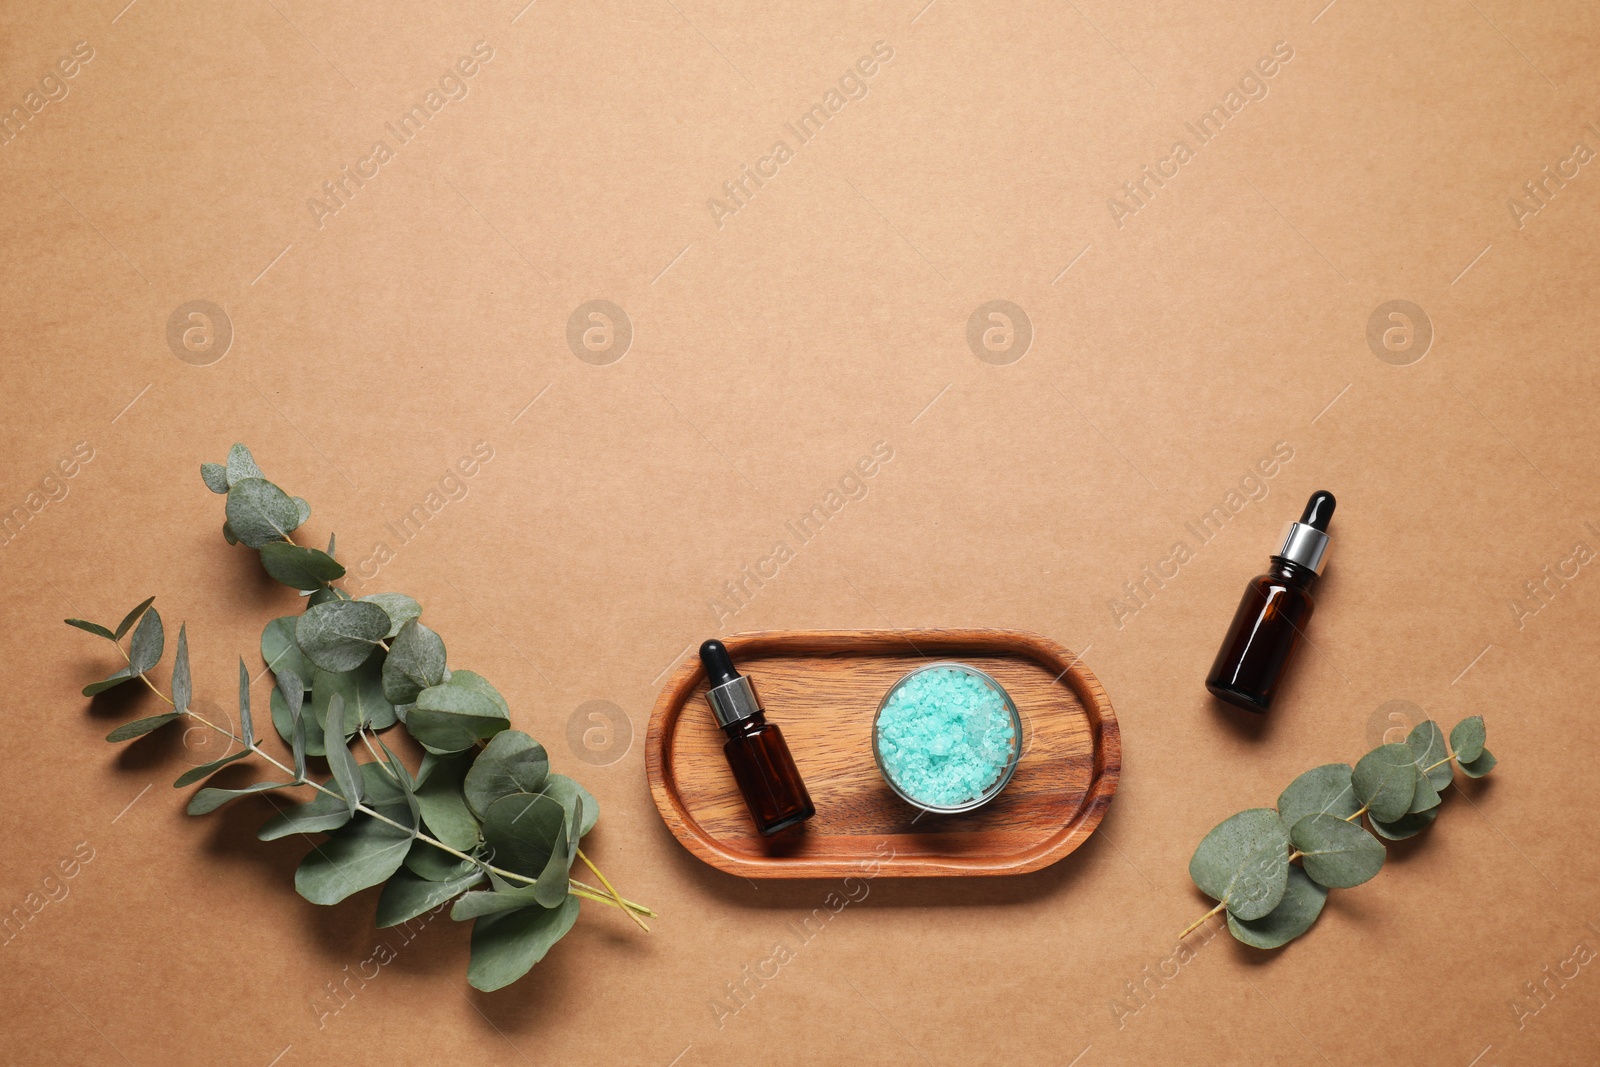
x=660 y=276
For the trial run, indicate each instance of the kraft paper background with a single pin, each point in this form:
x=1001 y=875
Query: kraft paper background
x=660 y=273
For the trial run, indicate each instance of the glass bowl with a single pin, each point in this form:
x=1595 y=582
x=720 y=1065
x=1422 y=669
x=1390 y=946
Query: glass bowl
x=1014 y=752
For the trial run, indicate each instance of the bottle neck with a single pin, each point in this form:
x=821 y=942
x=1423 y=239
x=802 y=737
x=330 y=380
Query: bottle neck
x=745 y=726
x=1290 y=573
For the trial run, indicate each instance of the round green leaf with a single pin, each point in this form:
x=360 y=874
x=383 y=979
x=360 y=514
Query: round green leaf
x=260 y=513
x=476 y=905
x=512 y=762
x=1244 y=862
x=299 y=567
x=362 y=853
x=1302 y=903
x=241 y=465
x=215 y=475
x=1385 y=780
x=340 y=635
x=1409 y=825
x=505 y=947
x=1481 y=766
x=577 y=801
x=523 y=831
x=400 y=608
x=416 y=662
x=1336 y=853
x=1324 y=790
x=453 y=717
x=444 y=808
x=406 y=896
x=1466 y=740
x=1425 y=797
x=1426 y=742
x=435 y=864
x=303 y=512
x=362 y=690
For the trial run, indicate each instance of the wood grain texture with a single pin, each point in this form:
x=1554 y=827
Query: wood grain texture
x=822 y=687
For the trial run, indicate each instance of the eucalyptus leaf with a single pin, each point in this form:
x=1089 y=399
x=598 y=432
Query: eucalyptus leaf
x=302 y=509
x=284 y=721
x=247 y=729
x=1302 y=903
x=567 y=793
x=215 y=475
x=512 y=762
x=1426 y=796
x=228 y=535
x=1466 y=740
x=109 y=682
x=241 y=465
x=1385 y=780
x=280 y=650
x=132 y=617
x=478 y=904
x=182 y=683
x=1336 y=853
x=292 y=694
x=328 y=594
x=408 y=785
x=360 y=854
x=1408 y=825
x=416 y=662
x=210 y=799
x=453 y=717
x=1324 y=790
x=300 y=567
x=435 y=864
x=444 y=808
x=340 y=761
x=523 y=831
x=505 y=947
x=340 y=635
x=92 y=627
x=139 y=727
x=362 y=690
x=1243 y=862
x=1426 y=742
x=206 y=770
x=149 y=640
x=551 y=888
x=320 y=815
x=1479 y=767
x=400 y=608
x=260 y=513
x=406 y=896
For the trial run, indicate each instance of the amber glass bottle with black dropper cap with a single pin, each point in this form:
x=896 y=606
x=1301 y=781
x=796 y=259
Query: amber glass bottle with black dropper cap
x=756 y=750
x=1273 y=613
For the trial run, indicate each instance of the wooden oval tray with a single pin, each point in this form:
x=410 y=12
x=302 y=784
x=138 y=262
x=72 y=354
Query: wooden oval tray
x=822 y=687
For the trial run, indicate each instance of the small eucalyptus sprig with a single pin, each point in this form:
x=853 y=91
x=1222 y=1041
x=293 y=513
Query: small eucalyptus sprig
x=1246 y=863
x=482 y=807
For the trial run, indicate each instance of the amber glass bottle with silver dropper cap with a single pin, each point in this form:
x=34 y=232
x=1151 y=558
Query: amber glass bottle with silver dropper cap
x=1273 y=614
x=756 y=750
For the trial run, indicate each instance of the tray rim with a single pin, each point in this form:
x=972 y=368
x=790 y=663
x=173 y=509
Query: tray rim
x=1106 y=766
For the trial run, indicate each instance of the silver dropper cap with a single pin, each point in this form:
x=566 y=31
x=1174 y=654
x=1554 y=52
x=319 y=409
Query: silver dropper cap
x=733 y=701
x=1305 y=543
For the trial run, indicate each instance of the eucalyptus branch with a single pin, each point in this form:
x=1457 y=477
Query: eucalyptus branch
x=484 y=799
x=1247 y=862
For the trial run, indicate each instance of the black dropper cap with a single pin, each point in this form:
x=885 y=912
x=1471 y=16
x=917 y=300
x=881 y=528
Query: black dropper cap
x=1319 y=510
x=718 y=664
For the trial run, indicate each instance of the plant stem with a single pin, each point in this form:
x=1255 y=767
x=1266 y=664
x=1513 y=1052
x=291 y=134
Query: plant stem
x=1192 y=927
x=611 y=889
x=575 y=888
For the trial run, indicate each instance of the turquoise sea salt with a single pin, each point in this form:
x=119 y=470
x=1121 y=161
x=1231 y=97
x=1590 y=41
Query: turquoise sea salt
x=945 y=736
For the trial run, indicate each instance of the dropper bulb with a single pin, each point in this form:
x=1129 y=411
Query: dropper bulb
x=1319 y=510
x=718 y=664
